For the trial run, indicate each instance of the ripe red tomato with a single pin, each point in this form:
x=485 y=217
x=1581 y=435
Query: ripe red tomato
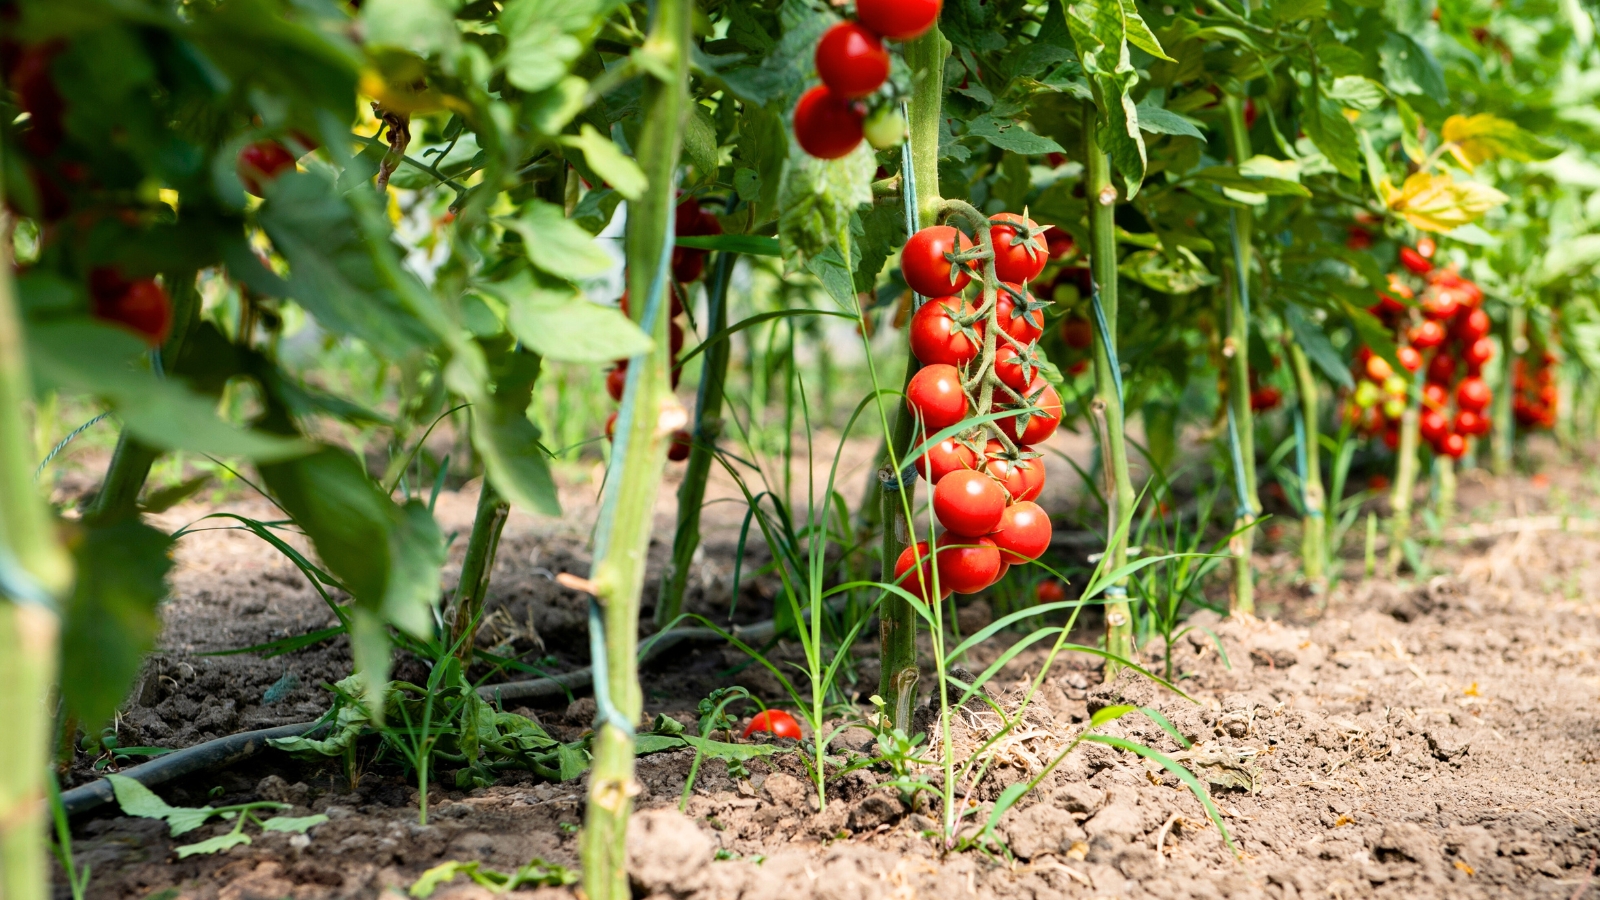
x=1441 y=303
x=1250 y=112
x=1359 y=238
x=851 y=61
x=141 y=306
x=1478 y=352
x=1024 y=532
x=1471 y=422
x=1008 y=368
x=682 y=442
x=1265 y=398
x=949 y=455
x=919 y=583
x=260 y=163
x=826 y=125
x=924 y=266
x=1435 y=396
x=775 y=721
x=898 y=20
x=935 y=394
x=1077 y=333
x=1453 y=446
x=1433 y=426
x=1473 y=394
x=1442 y=369
x=1059 y=244
x=1041 y=423
x=966 y=564
x=935 y=336
x=611 y=427
x=968 y=502
x=1391 y=436
x=1414 y=261
x=616 y=380
x=1425 y=335
x=1409 y=357
x=1049 y=591
x=1471 y=324
x=1017 y=256
x=1015 y=319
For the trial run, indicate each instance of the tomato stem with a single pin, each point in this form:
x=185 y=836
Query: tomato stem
x=1238 y=323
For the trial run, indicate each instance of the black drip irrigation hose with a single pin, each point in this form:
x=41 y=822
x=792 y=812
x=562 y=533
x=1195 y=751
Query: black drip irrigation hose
x=235 y=748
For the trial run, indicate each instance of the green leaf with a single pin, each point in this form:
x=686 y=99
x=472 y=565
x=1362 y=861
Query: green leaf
x=593 y=213
x=1357 y=92
x=1184 y=775
x=700 y=141
x=817 y=198
x=416 y=554
x=1009 y=135
x=830 y=269
x=1157 y=120
x=293 y=824
x=731 y=752
x=1232 y=177
x=558 y=323
x=544 y=37
x=82 y=356
x=748 y=244
x=441 y=874
x=1182 y=273
x=1409 y=68
x=556 y=244
x=350 y=283
x=421 y=26
x=1139 y=33
x=1316 y=345
x=347 y=517
x=1573 y=256
x=111 y=619
x=1288 y=12
x=137 y=800
x=620 y=171
x=214 y=845
x=1334 y=135
x=1109 y=713
x=508 y=441
x=182 y=819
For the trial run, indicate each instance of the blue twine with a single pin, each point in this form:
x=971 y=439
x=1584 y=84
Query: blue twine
x=1245 y=509
x=1101 y=326
x=606 y=711
x=54 y=451
x=19 y=584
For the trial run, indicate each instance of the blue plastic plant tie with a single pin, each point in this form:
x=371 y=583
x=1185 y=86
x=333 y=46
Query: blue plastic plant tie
x=1101 y=326
x=54 y=451
x=908 y=194
x=1238 y=268
x=1115 y=590
x=906 y=478
x=17 y=583
x=1245 y=510
x=606 y=712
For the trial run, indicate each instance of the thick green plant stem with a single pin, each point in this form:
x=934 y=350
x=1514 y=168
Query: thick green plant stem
x=487 y=523
x=1102 y=197
x=1314 y=526
x=1444 y=504
x=897 y=621
x=29 y=625
x=1512 y=345
x=1237 y=350
x=707 y=428
x=131 y=461
x=1405 y=484
x=622 y=536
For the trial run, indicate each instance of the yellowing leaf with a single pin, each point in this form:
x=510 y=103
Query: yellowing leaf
x=1438 y=202
x=1484 y=136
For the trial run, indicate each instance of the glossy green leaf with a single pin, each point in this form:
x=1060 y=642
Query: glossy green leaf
x=111 y=618
x=610 y=163
x=1316 y=345
x=557 y=244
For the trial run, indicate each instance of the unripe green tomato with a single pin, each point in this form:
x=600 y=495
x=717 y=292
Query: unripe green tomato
x=885 y=128
x=1393 y=407
x=1395 y=386
x=1367 y=394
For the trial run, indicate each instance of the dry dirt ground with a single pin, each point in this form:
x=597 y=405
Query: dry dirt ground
x=1423 y=738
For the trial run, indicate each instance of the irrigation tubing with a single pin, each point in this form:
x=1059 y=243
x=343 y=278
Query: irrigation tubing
x=226 y=751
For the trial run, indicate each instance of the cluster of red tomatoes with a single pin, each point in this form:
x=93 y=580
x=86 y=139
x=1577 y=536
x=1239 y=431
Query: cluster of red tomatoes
x=688 y=266
x=1450 y=341
x=263 y=161
x=1535 y=396
x=984 y=488
x=833 y=117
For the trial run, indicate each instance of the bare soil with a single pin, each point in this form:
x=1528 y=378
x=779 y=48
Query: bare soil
x=1429 y=737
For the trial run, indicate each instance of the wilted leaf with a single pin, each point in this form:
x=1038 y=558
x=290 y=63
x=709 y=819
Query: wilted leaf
x=214 y=845
x=1180 y=274
x=1439 y=202
x=293 y=824
x=1484 y=137
x=817 y=198
x=137 y=800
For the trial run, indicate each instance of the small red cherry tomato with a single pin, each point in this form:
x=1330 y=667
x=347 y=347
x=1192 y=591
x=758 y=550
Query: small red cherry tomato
x=826 y=125
x=775 y=721
x=924 y=266
x=851 y=61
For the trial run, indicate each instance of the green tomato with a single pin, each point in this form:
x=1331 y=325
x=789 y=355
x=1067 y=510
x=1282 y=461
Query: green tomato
x=1395 y=386
x=885 y=128
x=1367 y=394
x=1393 y=407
